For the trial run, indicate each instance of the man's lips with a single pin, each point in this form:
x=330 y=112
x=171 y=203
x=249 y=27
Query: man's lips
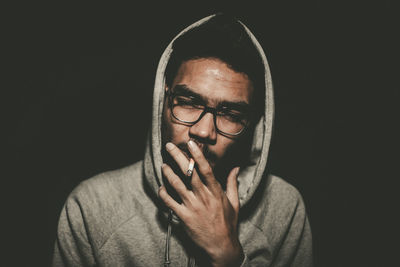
x=207 y=154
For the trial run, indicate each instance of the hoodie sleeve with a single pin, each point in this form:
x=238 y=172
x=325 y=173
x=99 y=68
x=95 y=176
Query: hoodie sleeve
x=299 y=255
x=294 y=248
x=72 y=247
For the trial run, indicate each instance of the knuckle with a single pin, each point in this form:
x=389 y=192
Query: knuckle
x=161 y=193
x=174 y=182
x=187 y=219
x=207 y=171
x=196 y=185
x=197 y=152
x=173 y=151
x=169 y=205
x=217 y=205
x=208 y=202
x=198 y=208
x=195 y=207
x=195 y=181
x=164 y=197
x=166 y=170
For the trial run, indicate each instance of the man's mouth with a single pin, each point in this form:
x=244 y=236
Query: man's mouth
x=209 y=155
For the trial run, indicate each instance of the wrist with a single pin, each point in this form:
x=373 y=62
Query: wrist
x=231 y=256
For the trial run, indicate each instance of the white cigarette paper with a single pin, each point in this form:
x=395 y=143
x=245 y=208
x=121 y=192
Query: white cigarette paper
x=191 y=167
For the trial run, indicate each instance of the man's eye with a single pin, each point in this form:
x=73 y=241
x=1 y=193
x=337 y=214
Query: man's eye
x=233 y=116
x=183 y=100
x=187 y=101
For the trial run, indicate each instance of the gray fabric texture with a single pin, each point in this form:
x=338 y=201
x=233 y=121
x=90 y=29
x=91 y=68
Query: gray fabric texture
x=116 y=218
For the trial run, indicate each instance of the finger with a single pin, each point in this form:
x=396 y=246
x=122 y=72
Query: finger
x=169 y=201
x=196 y=183
x=183 y=164
x=178 y=156
x=232 y=188
x=175 y=181
x=203 y=166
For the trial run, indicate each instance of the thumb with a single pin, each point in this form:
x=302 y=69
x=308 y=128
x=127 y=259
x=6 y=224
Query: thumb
x=232 y=188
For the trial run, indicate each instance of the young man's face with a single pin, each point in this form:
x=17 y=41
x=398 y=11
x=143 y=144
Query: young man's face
x=214 y=83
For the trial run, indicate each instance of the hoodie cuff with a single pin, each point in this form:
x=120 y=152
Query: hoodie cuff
x=245 y=261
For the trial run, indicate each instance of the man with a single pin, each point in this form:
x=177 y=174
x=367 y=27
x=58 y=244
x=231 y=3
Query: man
x=202 y=195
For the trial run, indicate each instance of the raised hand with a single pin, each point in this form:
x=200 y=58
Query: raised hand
x=209 y=214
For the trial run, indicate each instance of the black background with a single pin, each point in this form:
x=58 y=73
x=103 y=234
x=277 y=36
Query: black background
x=81 y=78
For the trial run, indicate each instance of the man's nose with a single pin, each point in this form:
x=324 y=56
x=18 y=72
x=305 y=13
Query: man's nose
x=204 y=129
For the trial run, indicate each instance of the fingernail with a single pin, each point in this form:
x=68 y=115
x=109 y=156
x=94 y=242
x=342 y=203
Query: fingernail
x=169 y=146
x=191 y=144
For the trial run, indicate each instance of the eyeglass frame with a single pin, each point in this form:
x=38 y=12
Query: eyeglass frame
x=206 y=109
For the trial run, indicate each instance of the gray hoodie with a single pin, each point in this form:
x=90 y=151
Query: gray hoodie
x=116 y=218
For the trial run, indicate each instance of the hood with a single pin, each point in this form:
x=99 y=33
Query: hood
x=251 y=175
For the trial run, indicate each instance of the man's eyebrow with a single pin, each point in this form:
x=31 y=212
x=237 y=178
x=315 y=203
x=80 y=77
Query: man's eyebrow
x=183 y=89
x=240 y=105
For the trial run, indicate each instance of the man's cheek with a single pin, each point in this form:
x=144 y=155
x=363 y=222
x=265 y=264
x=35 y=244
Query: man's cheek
x=221 y=152
x=231 y=150
x=225 y=148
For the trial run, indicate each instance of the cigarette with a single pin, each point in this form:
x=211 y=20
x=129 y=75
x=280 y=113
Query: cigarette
x=190 y=168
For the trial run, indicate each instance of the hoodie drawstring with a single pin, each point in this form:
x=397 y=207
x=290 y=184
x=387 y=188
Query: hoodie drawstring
x=167 y=262
x=191 y=262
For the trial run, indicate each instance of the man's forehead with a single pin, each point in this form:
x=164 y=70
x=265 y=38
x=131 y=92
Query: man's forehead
x=214 y=80
x=213 y=67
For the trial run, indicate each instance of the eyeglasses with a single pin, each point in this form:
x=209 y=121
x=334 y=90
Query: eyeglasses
x=189 y=110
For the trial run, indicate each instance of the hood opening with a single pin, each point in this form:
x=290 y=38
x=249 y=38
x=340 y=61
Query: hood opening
x=250 y=175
